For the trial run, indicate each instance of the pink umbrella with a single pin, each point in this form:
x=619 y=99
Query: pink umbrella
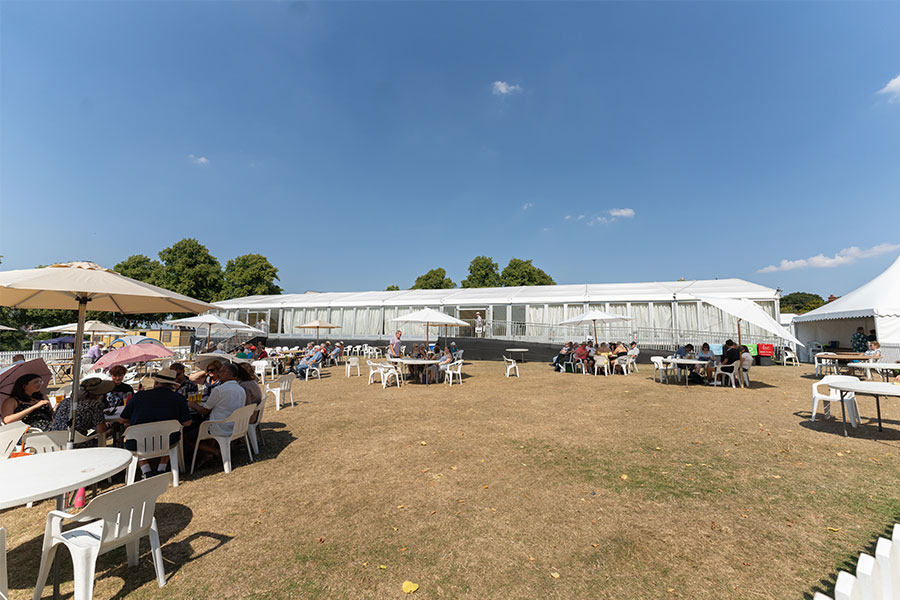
x=9 y=375
x=132 y=354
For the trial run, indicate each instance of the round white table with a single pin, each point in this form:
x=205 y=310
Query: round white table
x=865 y=388
x=415 y=361
x=41 y=476
x=520 y=351
x=692 y=362
x=32 y=478
x=884 y=368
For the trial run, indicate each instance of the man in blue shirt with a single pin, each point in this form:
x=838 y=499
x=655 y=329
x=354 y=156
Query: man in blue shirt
x=312 y=361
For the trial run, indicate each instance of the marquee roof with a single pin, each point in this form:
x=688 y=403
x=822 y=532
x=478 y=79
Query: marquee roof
x=538 y=294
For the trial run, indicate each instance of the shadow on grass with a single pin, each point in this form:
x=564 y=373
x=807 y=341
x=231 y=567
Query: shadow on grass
x=826 y=584
x=868 y=428
x=172 y=518
x=272 y=443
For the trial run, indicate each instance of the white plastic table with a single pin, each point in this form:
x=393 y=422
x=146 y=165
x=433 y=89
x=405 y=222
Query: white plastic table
x=415 y=361
x=32 y=478
x=865 y=388
x=521 y=352
x=693 y=362
x=882 y=367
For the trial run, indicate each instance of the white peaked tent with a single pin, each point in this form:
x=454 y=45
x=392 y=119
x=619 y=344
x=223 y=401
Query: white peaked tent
x=874 y=305
x=750 y=312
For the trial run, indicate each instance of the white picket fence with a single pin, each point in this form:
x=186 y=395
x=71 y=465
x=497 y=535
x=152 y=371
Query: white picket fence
x=877 y=578
x=6 y=356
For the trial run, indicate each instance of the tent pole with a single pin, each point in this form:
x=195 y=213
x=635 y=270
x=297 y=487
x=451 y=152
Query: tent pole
x=739 y=333
x=76 y=369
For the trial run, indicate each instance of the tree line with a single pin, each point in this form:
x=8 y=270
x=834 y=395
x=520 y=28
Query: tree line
x=484 y=272
x=185 y=267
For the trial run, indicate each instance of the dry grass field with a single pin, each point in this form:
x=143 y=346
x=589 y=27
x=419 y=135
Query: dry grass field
x=547 y=486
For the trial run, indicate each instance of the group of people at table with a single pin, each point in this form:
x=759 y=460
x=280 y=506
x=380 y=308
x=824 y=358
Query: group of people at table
x=588 y=354
x=424 y=373
x=227 y=386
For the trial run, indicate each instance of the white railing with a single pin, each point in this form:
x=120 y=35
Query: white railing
x=877 y=578
x=6 y=357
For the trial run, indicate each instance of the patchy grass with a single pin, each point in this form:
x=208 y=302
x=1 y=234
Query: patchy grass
x=623 y=487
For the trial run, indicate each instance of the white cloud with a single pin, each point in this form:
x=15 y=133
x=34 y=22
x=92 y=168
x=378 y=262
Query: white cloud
x=501 y=88
x=892 y=89
x=625 y=213
x=527 y=205
x=198 y=160
x=568 y=217
x=604 y=220
x=844 y=257
x=580 y=217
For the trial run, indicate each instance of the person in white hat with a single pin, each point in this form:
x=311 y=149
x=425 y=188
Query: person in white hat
x=95 y=352
x=89 y=410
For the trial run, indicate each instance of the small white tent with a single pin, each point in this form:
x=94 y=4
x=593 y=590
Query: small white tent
x=875 y=305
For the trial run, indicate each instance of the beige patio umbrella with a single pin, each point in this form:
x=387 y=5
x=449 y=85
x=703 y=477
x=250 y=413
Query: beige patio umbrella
x=429 y=317
x=91 y=327
x=72 y=286
x=317 y=325
x=5 y=328
x=593 y=317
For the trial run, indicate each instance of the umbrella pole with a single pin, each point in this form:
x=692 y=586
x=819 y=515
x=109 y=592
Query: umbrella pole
x=739 y=333
x=596 y=343
x=76 y=369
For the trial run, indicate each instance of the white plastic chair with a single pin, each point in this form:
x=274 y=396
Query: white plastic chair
x=111 y=520
x=260 y=367
x=403 y=350
x=152 y=441
x=281 y=389
x=835 y=396
x=375 y=369
x=744 y=378
x=601 y=362
x=10 y=436
x=634 y=356
x=622 y=363
x=727 y=374
x=313 y=367
x=790 y=356
x=241 y=421
x=661 y=369
x=254 y=430
x=511 y=366
x=459 y=354
x=4 y=582
x=48 y=441
x=389 y=370
x=454 y=368
x=353 y=363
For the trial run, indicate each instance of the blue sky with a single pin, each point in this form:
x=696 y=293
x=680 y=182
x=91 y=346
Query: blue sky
x=360 y=144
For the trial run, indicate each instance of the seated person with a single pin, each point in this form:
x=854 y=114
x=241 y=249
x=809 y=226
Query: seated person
x=121 y=391
x=186 y=387
x=618 y=350
x=582 y=354
x=159 y=403
x=453 y=349
x=336 y=352
x=746 y=359
x=731 y=357
x=310 y=361
x=634 y=350
x=27 y=403
x=562 y=357
x=88 y=410
x=434 y=371
x=224 y=400
x=687 y=350
x=242 y=352
x=210 y=377
x=874 y=351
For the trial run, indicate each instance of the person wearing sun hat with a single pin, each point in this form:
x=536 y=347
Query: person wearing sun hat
x=160 y=403
x=89 y=410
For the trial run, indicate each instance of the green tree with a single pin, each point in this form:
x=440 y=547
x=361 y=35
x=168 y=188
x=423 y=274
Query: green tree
x=392 y=288
x=249 y=275
x=191 y=270
x=483 y=272
x=435 y=279
x=522 y=272
x=800 y=302
x=140 y=267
